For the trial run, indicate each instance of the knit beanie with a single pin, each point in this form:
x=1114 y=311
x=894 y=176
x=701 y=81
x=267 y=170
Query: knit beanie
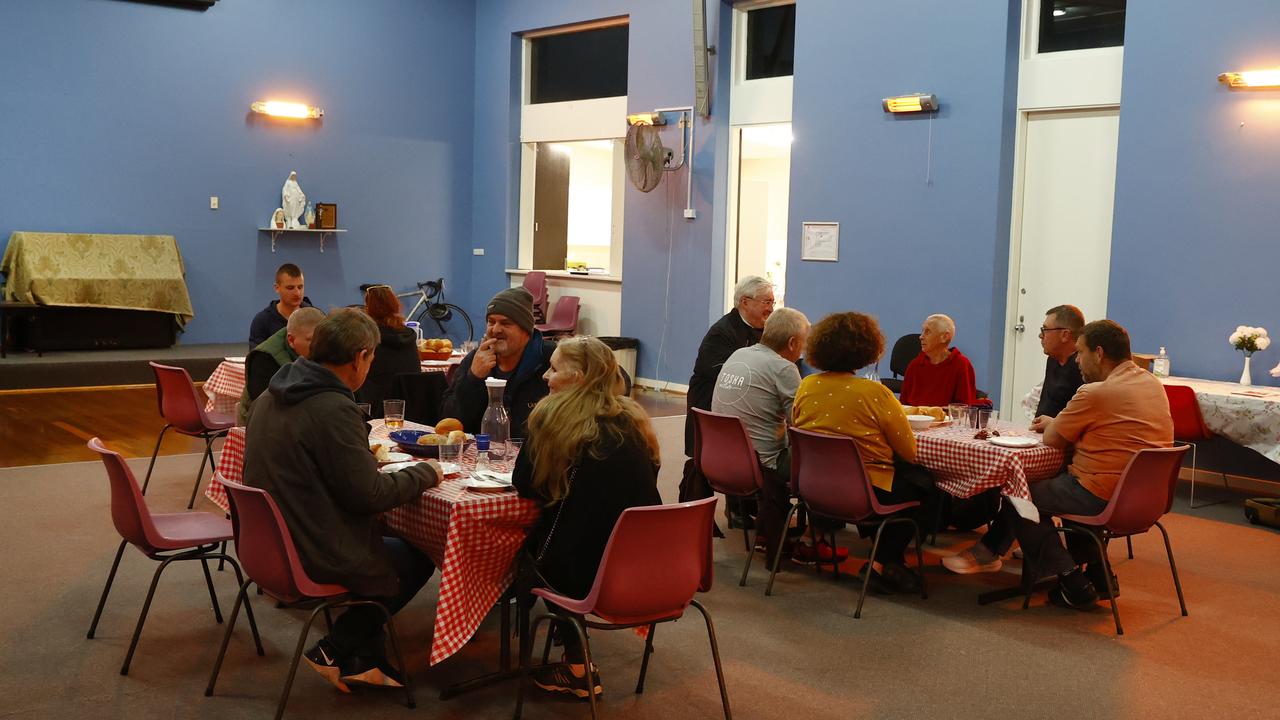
x=515 y=303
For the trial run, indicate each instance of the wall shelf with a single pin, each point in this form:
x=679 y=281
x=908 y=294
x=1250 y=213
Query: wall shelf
x=277 y=232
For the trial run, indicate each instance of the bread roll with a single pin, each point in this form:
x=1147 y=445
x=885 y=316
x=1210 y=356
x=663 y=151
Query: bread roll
x=433 y=439
x=457 y=437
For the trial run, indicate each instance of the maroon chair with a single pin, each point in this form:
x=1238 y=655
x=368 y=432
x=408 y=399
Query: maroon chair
x=1189 y=429
x=536 y=283
x=564 y=318
x=657 y=558
x=181 y=409
x=270 y=559
x=165 y=538
x=828 y=475
x=723 y=453
x=1142 y=496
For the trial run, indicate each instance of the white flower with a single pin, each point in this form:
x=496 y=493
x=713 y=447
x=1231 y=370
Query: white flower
x=1235 y=338
x=1241 y=329
x=1263 y=342
x=1262 y=332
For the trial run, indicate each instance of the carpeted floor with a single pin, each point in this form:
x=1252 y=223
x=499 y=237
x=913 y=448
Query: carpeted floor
x=799 y=653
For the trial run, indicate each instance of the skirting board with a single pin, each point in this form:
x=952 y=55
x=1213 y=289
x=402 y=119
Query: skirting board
x=662 y=385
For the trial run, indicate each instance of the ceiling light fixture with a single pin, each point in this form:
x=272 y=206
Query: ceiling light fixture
x=1251 y=79
x=275 y=108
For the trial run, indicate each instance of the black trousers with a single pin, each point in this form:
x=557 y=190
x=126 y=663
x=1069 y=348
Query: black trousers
x=358 y=631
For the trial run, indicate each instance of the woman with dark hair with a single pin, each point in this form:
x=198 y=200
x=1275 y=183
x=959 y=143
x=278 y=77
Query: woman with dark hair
x=397 y=350
x=590 y=455
x=838 y=402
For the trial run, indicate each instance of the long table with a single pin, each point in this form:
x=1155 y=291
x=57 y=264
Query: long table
x=1245 y=415
x=473 y=538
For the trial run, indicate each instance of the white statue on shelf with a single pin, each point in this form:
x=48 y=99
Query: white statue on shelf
x=277 y=219
x=294 y=202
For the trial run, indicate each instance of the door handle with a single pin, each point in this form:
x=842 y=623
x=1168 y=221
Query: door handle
x=1019 y=328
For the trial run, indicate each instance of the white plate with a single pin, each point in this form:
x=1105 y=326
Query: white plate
x=398 y=457
x=1014 y=441
x=476 y=484
x=237 y=359
x=397 y=466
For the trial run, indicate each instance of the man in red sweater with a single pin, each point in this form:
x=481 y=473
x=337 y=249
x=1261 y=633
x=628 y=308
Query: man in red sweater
x=940 y=374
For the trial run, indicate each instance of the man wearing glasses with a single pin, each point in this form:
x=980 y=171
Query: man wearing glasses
x=740 y=327
x=1062 y=377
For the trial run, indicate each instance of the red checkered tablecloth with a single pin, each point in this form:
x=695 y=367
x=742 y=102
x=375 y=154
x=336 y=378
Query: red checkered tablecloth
x=473 y=538
x=965 y=467
x=224 y=387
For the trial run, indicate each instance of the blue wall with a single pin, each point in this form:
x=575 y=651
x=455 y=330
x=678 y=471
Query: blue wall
x=125 y=117
x=909 y=246
x=1196 y=241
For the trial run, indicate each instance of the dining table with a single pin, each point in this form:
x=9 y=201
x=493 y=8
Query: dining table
x=472 y=537
x=1247 y=415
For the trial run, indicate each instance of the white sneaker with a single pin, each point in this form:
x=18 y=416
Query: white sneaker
x=964 y=563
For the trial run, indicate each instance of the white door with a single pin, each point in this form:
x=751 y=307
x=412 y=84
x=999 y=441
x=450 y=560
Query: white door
x=1068 y=192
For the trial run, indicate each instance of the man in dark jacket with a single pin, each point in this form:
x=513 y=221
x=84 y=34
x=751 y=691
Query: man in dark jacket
x=511 y=350
x=740 y=327
x=308 y=446
x=271 y=319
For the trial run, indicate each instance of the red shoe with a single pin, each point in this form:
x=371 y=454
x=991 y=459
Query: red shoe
x=821 y=553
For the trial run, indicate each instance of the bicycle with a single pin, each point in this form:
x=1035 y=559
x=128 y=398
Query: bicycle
x=432 y=310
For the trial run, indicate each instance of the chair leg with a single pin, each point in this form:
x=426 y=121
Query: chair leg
x=248 y=607
x=154 y=453
x=835 y=561
x=1177 y=584
x=924 y=593
x=410 y=702
x=1106 y=566
x=241 y=596
x=142 y=617
x=715 y=656
x=1128 y=540
x=875 y=546
x=579 y=628
x=222 y=560
x=213 y=597
x=297 y=655
x=328 y=621
x=208 y=457
x=644 y=662
x=546 y=648
x=751 y=553
x=778 y=550
x=102 y=602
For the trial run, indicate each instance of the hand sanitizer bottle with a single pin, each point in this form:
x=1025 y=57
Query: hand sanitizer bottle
x=1160 y=366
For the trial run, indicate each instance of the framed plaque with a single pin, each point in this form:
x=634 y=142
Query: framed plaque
x=326 y=216
x=820 y=241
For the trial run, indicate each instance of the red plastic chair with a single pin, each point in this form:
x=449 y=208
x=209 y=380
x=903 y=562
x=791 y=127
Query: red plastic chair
x=181 y=409
x=1189 y=429
x=828 y=475
x=1142 y=496
x=270 y=559
x=723 y=453
x=564 y=318
x=536 y=283
x=657 y=558
x=164 y=537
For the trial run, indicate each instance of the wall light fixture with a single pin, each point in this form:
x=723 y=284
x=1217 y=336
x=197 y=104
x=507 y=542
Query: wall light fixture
x=917 y=102
x=275 y=108
x=1251 y=79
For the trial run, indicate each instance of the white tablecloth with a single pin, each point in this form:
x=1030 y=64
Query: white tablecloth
x=1245 y=415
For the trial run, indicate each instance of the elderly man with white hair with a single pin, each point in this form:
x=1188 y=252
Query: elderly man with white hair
x=740 y=327
x=758 y=384
x=940 y=374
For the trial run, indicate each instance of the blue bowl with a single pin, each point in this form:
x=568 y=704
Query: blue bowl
x=408 y=442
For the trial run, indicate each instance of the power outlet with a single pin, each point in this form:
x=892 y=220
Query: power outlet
x=690 y=214
x=213 y=202
x=477 y=251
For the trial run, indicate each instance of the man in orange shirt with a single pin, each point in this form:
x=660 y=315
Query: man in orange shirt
x=1120 y=410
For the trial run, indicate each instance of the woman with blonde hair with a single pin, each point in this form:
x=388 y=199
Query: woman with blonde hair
x=397 y=350
x=591 y=454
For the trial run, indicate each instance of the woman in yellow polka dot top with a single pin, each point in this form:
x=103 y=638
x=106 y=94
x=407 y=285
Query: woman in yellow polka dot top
x=838 y=402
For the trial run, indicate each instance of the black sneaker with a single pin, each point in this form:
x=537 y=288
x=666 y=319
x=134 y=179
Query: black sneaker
x=741 y=521
x=1074 y=591
x=325 y=660
x=1097 y=577
x=874 y=581
x=371 y=671
x=899 y=578
x=562 y=678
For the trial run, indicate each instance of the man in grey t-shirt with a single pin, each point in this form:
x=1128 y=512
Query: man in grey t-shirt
x=758 y=384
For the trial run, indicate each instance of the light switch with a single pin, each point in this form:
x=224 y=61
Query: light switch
x=477 y=251
x=213 y=202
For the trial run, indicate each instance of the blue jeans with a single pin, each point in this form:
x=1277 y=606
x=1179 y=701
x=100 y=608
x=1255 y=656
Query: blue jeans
x=358 y=632
x=1057 y=495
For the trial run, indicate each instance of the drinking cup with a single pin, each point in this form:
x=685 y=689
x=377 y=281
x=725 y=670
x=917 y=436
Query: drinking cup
x=451 y=453
x=393 y=413
x=513 y=450
x=980 y=417
x=366 y=410
x=959 y=414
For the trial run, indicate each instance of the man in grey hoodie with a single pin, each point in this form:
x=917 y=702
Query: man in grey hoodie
x=308 y=446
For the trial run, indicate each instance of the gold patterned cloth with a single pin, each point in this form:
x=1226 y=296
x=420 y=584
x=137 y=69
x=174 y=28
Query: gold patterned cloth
x=135 y=272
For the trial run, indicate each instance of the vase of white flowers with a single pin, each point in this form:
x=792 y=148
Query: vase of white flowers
x=1249 y=340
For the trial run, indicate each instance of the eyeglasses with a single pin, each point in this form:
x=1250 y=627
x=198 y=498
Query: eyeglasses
x=766 y=303
x=375 y=287
x=1044 y=330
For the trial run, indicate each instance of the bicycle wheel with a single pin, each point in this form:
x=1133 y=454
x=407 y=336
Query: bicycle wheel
x=446 y=320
